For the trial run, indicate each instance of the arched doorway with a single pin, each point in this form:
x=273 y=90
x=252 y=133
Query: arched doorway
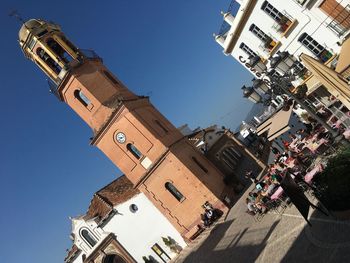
x=114 y=259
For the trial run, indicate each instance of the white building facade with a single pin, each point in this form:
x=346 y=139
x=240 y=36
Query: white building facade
x=122 y=225
x=262 y=28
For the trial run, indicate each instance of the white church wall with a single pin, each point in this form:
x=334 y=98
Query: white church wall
x=140 y=230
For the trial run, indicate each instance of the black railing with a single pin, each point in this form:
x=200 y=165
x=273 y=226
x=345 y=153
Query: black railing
x=89 y=53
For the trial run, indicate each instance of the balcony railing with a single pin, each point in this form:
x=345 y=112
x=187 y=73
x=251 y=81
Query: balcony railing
x=340 y=23
x=284 y=24
x=269 y=45
x=89 y=53
x=225 y=27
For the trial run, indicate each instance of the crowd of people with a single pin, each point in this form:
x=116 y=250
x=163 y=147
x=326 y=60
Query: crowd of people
x=296 y=157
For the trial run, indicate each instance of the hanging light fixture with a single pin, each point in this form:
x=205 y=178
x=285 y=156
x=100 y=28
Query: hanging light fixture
x=260 y=86
x=257 y=64
x=282 y=62
x=251 y=94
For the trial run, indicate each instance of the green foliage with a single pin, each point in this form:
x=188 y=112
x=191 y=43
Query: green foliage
x=333 y=183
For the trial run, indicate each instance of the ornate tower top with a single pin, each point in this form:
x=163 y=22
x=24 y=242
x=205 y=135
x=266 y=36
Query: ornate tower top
x=45 y=44
x=78 y=77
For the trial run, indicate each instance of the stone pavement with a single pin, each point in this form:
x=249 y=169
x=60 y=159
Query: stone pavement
x=277 y=238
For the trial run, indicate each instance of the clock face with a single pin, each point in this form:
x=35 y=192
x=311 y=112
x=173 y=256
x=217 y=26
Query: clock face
x=121 y=137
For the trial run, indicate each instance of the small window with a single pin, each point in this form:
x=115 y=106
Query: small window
x=316 y=48
x=133 y=208
x=132 y=148
x=160 y=252
x=88 y=237
x=79 y=95
x=247 y=50
x=199 y=164
x=110 y=77
x=271 y=11
x=258 y=32
x=173 y=190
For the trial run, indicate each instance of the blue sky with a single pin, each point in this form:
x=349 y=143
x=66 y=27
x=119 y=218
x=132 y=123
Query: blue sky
x=49 y=171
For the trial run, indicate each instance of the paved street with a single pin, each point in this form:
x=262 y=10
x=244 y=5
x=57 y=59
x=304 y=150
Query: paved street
x=277 y=238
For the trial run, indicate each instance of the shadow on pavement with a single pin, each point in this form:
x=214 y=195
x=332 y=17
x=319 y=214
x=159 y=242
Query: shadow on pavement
x=327 y=240
x=219 y=247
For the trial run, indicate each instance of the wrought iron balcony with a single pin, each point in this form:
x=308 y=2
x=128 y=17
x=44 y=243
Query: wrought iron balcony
x=284 y=24
x=89 y=53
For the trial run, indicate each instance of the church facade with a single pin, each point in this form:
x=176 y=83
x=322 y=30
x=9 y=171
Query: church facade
x=122 y=225
x=154 y=155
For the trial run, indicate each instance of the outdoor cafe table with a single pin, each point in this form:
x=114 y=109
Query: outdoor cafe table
x=347 y=134
x=310 y=175
x=277 y=194
x=313 y=146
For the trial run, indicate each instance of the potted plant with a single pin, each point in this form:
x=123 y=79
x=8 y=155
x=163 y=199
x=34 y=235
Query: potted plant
x=172 y=244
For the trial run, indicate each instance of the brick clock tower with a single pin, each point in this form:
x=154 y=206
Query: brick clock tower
x=127 y=128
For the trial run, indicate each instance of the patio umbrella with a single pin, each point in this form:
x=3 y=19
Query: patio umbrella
x=328 y=77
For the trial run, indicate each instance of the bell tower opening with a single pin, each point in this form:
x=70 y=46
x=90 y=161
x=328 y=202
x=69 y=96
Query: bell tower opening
x=59 y=50
x=48 y=60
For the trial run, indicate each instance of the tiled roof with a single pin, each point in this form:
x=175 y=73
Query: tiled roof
x=118 y=191
x=72 y=254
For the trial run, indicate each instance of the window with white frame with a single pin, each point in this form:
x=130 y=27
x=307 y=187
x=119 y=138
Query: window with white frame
x=271 y=11
x=316 y=48
x=247 y=50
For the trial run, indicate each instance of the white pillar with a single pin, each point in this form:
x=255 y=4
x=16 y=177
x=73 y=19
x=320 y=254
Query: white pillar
x=220 y=40
x=228 y=17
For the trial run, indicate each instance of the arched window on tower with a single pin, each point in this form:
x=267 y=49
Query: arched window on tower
x=88 y=237
x=174 y=191
x=132 y=148
x=79 y=95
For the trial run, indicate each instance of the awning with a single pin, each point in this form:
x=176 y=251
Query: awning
x=277 y=124
x=344 y=57
x=332 y=81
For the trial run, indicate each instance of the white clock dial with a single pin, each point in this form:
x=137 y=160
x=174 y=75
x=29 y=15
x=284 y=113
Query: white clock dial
x=121 y=137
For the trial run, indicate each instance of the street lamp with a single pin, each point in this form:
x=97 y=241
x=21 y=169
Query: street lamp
x=251 y=94
x=282 y=62
x=257 y=64
x=281 y=85
x=260 y=85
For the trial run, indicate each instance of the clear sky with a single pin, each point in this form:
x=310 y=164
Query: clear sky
x=160 y=48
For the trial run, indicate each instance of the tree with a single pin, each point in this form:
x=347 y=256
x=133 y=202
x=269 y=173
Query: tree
x=172 y=244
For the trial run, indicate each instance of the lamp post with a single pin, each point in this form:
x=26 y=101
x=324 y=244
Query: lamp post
x=281 y=77
x=257 y=64
x=281 y=84
x=282 y=62
x=251 y=94
x=260 y=86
